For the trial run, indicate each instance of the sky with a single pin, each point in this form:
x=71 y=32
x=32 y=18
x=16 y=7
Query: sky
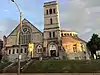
x=81 y=16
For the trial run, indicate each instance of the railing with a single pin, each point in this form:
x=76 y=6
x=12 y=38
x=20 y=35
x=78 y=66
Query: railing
x=26 y=65
x=4 y=69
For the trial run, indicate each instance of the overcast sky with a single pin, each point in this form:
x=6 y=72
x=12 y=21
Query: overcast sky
x=82 y=16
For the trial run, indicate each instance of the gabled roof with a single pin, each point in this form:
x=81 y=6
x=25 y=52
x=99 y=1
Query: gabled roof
x=32 y=25
x=0 y=39
x=68 y=31
x=19 y=25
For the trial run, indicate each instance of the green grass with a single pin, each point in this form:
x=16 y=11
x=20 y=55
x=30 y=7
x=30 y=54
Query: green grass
x=61 y=66
x=13 y=68
x=3 y=65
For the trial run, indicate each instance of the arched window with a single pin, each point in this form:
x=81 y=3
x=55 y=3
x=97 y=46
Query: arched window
x=21 y=51
x=70 y=34
x=25 y=50
x=25 y=35
x=51 y=21
x=62 y=34
x=75 y=47
x=53 y=34
x=46 y=12
x=50 y=11
x=9 y=51
x=13 y=51
x=39 y=49
x=50 y=34
x=65 y=34
x=54 y=11
x=17 y=51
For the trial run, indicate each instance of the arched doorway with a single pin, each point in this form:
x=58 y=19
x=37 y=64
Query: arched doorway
x=52 y=50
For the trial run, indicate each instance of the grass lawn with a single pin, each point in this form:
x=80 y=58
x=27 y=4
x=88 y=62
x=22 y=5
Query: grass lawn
x=3 y=65
x=62 y=66
x=72 y=66
x=14 y=68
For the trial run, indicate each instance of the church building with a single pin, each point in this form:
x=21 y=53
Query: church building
x=49 y=43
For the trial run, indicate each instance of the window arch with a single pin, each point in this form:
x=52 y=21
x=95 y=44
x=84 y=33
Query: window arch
x=53 y=34
x=25 y=35
x=13 y=51
x=50 y=11
x=25 y=50
x=70 y=34
x=21 y=51
x=9 y=51
x=17 y=51
x=62 y=34
x=46 y=12
x=50 y=34
x=51 y=21
x=39 y=49
x=65 y=34
x=75 y=48
x=54 y=10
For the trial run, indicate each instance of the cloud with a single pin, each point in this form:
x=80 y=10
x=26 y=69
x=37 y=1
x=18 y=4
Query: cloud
x=6 y=10
x=6 y=26
x=82 y=16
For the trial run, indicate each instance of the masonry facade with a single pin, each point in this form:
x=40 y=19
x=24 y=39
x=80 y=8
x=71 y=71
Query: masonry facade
x=48 y=43
x=75 y=48
x=51 y=29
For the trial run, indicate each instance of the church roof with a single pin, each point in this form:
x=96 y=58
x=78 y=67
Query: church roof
x=50 y=3
x=67 y=31
x=72 y=39
x=19 y=25
x=32 y=25
x=0 y=40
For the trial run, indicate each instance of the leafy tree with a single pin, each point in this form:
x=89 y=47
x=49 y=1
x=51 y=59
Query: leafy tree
x=94 y=44
x=0 y=55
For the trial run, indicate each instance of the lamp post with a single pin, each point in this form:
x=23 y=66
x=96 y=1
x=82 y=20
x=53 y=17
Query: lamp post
x=19 y=33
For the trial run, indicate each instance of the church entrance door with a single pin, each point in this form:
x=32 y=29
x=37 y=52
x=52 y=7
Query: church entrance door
x=53 y=50
x=53 y=53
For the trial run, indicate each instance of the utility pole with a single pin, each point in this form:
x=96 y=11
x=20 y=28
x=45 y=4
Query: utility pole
x=19 y=33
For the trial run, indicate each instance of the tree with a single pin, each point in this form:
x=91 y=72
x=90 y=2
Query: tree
x=0 y=57
x=94 y=44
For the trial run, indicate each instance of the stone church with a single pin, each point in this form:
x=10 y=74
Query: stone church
x=49 y=43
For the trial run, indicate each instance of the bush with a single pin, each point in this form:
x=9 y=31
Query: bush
x=5 y=58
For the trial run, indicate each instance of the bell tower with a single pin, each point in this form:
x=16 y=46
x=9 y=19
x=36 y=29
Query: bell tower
x=51 y=28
